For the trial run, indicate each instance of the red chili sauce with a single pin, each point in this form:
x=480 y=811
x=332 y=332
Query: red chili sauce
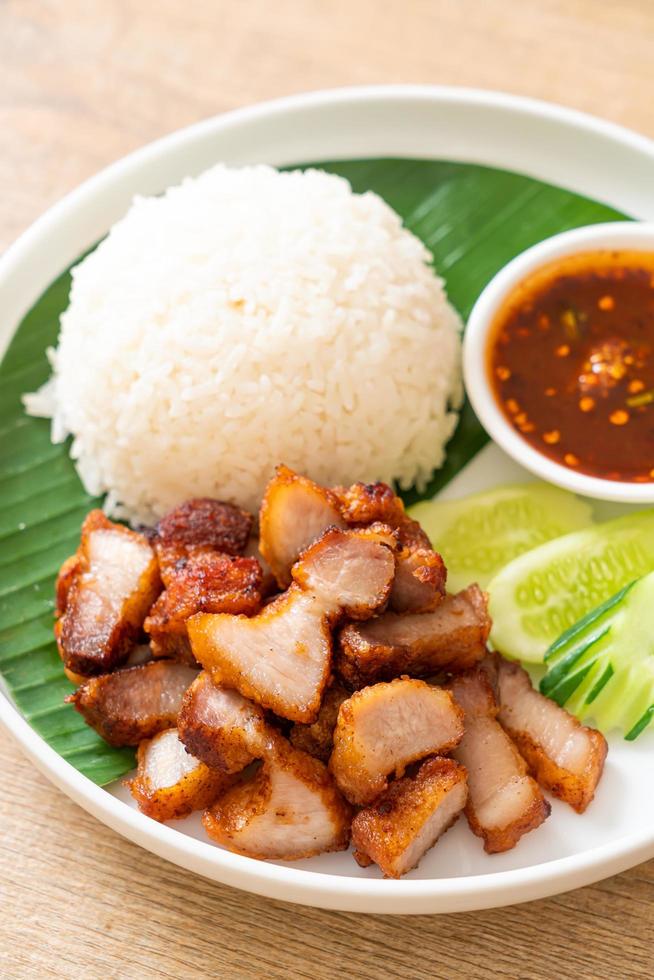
x=571 y=361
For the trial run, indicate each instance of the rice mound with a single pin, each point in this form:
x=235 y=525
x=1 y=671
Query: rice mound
x=245 y=318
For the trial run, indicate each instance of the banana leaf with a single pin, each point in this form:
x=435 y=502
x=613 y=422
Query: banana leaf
x=473 y=219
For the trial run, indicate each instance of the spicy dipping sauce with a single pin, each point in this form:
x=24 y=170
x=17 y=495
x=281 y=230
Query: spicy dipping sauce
x=571 y=362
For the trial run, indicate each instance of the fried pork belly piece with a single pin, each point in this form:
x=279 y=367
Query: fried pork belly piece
x=281 y=657
x=204 y=581
x=565 y=757
x=420 y=576
x=205 y=523
x=419 y=584
x=222 y=728
x=350 y=571
x=133 y=704
x=103 y=594
x=169 y=783
x=207 y=579
x=452 y=638
x=318 y=739
x=382 y=729
x=295 y=511
x=364 y=503
x=290 y=809
x=409 y=818
x=504 y=802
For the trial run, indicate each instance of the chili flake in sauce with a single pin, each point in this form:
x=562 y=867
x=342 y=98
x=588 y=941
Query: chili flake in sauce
x=571 y=361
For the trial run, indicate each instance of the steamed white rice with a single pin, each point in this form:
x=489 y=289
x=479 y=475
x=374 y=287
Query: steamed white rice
x=246 y=318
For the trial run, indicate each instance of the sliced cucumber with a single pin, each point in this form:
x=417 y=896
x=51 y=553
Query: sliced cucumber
x=480 y=534
x=603 y=666
x=549 y=589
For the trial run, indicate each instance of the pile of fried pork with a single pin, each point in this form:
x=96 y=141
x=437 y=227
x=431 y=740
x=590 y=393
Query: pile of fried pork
x=311 y=686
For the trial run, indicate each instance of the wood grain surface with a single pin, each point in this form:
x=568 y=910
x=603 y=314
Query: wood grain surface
x=82 y=83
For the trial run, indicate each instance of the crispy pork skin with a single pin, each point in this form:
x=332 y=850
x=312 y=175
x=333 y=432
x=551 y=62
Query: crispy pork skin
x=203 y=581
x=135 y=703
x=205 y=523
x=419 y=584
x=409 y=818
x=318 y=739
x=565 y=757
x=104 y=594
x=170 y=783
x=364 y=503
x=281 y=657
x=504 y=802
x=220 y=727
x=295 y=511
x=209 y=581
x=453 y=637
x=383 y=728
x=420 y=576
x=289 y=809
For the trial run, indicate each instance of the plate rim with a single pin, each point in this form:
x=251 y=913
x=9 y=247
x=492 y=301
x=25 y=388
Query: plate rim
x=317 y=888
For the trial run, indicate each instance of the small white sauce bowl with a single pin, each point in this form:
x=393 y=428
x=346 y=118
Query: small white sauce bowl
x=622 y=236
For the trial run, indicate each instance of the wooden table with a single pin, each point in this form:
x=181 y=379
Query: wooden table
x=80 y=85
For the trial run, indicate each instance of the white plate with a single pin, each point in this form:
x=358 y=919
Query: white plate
x=564 y=147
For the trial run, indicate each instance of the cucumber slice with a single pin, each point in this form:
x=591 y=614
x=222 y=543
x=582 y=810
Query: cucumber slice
x=480 y=534
x=602 y=668
x=545 y=591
